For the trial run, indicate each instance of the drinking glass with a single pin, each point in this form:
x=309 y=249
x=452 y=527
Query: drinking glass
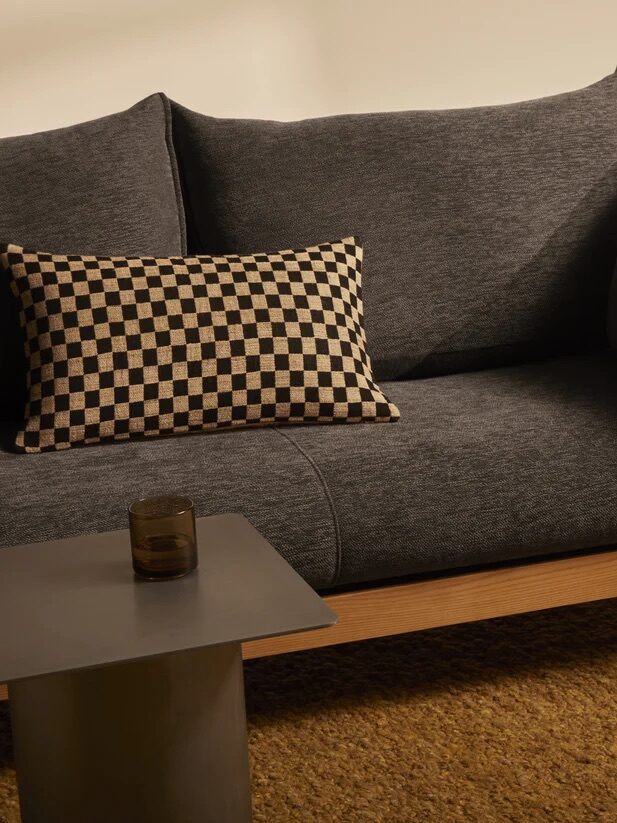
x=163 y=540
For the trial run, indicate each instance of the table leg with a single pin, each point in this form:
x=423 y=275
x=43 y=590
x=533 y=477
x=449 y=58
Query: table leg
x=160 y=740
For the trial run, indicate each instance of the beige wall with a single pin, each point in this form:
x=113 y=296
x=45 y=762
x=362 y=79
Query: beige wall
x=62 y=61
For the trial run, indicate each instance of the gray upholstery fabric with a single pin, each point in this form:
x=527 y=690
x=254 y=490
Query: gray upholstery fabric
x=488 y=231
x=481 y=468
x=257 y=472
x=109 y=186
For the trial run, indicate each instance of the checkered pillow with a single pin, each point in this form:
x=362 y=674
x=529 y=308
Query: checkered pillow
x=119 y=347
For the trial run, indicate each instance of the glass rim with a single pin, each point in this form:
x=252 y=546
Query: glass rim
x=176 y=506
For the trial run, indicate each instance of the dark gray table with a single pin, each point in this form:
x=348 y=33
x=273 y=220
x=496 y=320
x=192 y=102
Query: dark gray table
x=127 y=699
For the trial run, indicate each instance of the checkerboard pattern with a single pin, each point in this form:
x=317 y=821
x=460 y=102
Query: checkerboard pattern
x=140 y=346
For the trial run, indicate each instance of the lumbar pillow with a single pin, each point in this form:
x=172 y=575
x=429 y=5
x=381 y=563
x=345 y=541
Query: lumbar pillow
x=120 y=346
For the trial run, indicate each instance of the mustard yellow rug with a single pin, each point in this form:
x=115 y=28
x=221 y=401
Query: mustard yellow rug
x=508 y=721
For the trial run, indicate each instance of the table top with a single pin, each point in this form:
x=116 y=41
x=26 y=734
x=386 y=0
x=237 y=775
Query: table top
x=75 y=603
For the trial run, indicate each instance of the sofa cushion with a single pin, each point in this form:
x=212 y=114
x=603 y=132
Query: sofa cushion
x=109 y=186
x=489 y=232
x=257 y=472
x=122 y=346
x=483 y=467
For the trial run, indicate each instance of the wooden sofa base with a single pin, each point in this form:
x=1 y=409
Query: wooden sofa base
x=460 y=598
x=444 y=601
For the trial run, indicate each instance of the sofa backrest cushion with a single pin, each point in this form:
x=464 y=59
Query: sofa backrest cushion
x=108 y=186
x=489 y=233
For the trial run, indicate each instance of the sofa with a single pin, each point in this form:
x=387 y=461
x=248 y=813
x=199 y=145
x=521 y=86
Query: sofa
x=490 y=240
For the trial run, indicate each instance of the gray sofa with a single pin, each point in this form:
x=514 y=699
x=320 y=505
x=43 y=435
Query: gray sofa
x=490 y=239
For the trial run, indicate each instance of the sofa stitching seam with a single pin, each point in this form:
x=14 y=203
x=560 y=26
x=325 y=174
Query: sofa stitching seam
x=321 y=480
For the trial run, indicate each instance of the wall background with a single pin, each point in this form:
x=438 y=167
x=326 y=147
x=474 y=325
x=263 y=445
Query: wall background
x=73 y=60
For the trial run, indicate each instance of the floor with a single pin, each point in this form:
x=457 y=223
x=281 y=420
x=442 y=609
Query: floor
x=512 y=720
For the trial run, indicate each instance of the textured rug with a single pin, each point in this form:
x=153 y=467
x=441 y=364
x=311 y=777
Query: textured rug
x=507 y=721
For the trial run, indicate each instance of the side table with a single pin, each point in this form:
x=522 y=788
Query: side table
x=127 y=698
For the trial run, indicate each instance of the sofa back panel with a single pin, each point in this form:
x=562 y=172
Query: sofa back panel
x=106 y=187
x=485 y=230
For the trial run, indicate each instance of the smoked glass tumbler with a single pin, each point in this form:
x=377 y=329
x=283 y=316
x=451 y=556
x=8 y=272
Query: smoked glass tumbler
x=163 y=542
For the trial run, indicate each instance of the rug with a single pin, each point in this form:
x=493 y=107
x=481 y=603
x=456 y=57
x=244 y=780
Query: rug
x=506 y=721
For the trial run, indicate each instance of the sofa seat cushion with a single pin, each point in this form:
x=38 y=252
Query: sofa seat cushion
x=257 y=472
x=482 y=467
